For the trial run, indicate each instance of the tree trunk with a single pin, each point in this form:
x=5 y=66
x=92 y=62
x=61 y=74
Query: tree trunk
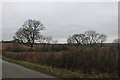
x=31 y=46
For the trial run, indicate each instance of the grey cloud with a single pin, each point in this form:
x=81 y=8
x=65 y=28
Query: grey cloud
x=63 y=18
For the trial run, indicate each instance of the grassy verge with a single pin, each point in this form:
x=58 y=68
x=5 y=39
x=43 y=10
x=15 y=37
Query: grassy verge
x=58 y=72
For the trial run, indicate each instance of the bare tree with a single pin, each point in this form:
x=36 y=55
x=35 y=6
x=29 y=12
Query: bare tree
x=92 y=37
x=77 y=39
x=54 y=41
x=116 y=40
x=42 y=39
x=71 y=40
x=48 y=39
x=102 y=38
x=80 y=38
x=89 y=37
x=29 y=32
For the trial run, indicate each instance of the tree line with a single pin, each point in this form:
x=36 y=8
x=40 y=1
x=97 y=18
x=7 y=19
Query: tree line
x=90 y=37
x=30 y=32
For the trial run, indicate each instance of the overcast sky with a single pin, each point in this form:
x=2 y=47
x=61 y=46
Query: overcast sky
x=62 y=19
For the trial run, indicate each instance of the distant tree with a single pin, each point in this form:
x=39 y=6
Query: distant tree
x=92 y=37
x=48 y=39
x=116 y=40
x=54 y=41
x=42 y=39
x=102 y=38
x=71 y=40
x=80 y=38
x=29 y=32
x=77 y=39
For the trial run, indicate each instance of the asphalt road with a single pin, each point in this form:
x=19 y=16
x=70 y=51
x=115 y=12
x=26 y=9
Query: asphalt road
x=10 y=70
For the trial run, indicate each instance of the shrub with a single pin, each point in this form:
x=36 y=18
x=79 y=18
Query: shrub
x=51 y=47
x=86 y=59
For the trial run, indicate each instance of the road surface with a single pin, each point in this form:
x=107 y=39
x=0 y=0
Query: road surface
x=10 y=70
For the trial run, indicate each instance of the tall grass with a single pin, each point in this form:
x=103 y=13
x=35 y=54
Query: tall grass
x=85 y=59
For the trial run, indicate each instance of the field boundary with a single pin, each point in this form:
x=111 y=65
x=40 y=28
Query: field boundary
x=57 y=72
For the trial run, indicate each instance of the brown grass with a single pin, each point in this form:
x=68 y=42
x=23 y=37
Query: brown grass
x=86 y=59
